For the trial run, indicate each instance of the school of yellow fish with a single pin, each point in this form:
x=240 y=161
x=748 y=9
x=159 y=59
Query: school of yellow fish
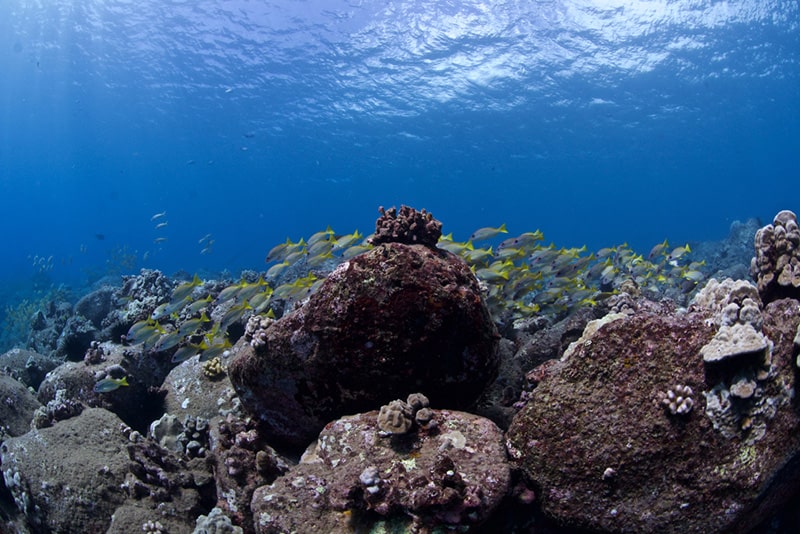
x=520 y=276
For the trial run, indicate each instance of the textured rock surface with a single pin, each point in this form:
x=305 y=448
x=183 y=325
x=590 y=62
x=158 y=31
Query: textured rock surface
x=17 y=405
x=28 y=367
x=190 y=392
x=392 y=321
x=451 y=475
x=603 y=452
x=73 y=476
x=137 y=404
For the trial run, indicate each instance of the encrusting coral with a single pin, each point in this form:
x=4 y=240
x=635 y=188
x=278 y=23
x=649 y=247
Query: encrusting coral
x=776 y=265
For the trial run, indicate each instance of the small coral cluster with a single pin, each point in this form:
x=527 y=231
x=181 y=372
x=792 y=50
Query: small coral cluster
x=736 y=311
x=60 y=408
x=398 y=416
x=776 y=265
x=256 y=330
x=738 y=360
x=213 y=368
x=678 y=400
x=94 y=354
x=409 y=226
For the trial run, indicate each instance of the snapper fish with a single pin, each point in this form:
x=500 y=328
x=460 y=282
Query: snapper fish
x=487 y=232
x=108 y=385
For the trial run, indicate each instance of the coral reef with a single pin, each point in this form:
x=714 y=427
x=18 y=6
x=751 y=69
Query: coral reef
x=409 y=226
x=776 y=265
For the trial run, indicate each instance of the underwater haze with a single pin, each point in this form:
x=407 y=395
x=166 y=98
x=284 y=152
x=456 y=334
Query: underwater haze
x=598 y=122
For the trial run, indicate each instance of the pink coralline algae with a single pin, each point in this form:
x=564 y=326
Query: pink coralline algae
x=410 y=226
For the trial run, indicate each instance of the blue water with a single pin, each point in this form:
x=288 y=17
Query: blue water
x=598 y=122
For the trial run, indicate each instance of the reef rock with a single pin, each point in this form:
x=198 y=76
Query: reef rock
x=397 y=319
x=88 y=473
x=193 y=391
x=452 y=474
x=634 y=432
x=776 y=265
x=28 y=367
x=17 y=406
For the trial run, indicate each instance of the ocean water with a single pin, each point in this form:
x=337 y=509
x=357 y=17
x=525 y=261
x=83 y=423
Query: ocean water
x=598 y=122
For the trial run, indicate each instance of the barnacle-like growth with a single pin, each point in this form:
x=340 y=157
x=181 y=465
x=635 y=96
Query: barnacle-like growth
x=679 y=400
x=409 y=226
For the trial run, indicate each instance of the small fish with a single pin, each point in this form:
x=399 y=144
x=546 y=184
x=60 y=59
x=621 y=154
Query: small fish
x=488 y=232
x=477 y=255
x=456 y=247
x=248 y=290
x=204 y=239
x=678 y=252
x=191 y=326
x=491 y=274
x=323 y=236
x=233 y=314
x=158 y=216
x=277 y=269
x=185 y=352
x=694 y=275
x=348 y=240
x=355 y=251
x=185 y=289
x=162 y=224
x=657 y=250
x=319 y=259
x=524 y=240
x=212 y=351
x=168 y=341
x=280 y=252
x=159 y=240
x=198 y=305
x=108 y=385
x=146 y=332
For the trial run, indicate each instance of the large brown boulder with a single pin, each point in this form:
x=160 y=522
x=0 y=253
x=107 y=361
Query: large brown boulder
x=397 y=319
x=632 y=431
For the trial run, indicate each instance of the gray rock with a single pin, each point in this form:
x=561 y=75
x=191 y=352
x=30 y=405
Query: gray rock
x=67 y=478
x=17 y=406
x=27 y=366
